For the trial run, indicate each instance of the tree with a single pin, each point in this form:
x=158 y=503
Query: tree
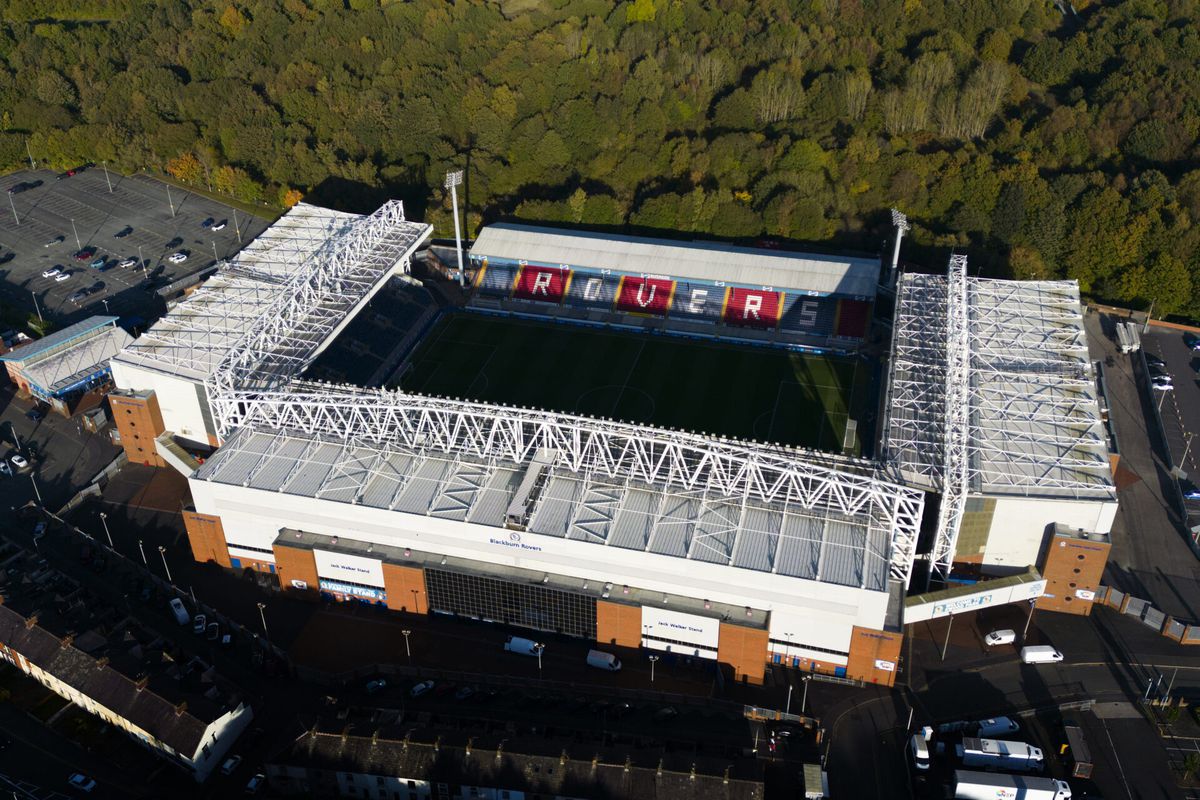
x=185 y=167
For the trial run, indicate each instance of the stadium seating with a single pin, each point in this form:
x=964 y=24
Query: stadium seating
x=592 y=290
x=811 y=316
x=698 y=302
x=496 y=280
x=853 y=317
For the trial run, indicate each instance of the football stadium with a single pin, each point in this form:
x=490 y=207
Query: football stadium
x=653 y=444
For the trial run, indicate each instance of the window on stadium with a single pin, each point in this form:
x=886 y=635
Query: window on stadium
x=522 y=605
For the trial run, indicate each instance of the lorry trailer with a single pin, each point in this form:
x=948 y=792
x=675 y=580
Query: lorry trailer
x=1000 y=754
x=995 y=786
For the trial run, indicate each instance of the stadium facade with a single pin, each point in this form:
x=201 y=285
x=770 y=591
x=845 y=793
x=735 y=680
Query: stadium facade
x=624 y=534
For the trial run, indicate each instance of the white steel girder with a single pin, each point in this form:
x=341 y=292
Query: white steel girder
x=956 y=458
x=617 y=451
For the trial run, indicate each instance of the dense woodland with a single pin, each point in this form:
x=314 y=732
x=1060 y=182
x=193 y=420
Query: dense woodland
x=1045 y=144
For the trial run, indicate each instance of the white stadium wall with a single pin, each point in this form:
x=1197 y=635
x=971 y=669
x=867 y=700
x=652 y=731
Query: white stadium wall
x=183 y=402
x=817 y=614
x=1019 y=527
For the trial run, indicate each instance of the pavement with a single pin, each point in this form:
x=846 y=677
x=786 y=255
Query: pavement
x=1151 y=556
x=83 y=211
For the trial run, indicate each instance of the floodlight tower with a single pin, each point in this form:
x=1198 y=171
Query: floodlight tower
x=957 y=420
x=453 y=179
x=900 y=221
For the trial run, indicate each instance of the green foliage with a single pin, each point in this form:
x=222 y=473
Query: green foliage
x=1045 y=149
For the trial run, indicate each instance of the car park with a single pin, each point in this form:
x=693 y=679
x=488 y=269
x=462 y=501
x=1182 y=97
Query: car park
x=220 y=226
x=231 y=764
x=81 y=783
x=421 y=688
x=53 y=272
x=62 y=276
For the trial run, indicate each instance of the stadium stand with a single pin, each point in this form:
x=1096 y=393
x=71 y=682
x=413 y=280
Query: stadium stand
x=815 y=302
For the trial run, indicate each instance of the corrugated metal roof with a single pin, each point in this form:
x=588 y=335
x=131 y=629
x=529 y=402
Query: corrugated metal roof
x=63 y=368
x=710 y=261
x=739 y=532
x=37 y=347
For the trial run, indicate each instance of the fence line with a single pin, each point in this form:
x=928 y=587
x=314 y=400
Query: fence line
x=1148 y=615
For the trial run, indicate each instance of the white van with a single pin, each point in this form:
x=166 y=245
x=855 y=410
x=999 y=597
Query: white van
x=603 y=660
x=1040 y=654
x=920 y=747
x=524 y=647
x=180 y=611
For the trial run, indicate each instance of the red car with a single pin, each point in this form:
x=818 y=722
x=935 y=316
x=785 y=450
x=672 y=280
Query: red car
x=85 y=254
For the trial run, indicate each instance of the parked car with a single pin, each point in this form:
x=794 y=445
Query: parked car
x=1004 y=636
x=212 y=632
x=179 y=610
x=1192 y=341
x=208 y=223
x=231 y=764
x=178 y=240
x=99 y=262
x=376 y=686
x=199 y=623
x=5 y=469
x=78 y=297
x=178 y=258
x=24 y=186
x=1040 y=654
x=35 y=414
x=81 y=783
x=18 y=461
x=421 y=688
x=127 y=262
x=121 y=234
x=997 y=726
x=62 y=276
x=255 y=784
x=220 y=226
x=1192 y=494
x=464 y=693
x=85 y=254
x=53 y=272
x=1154 y=360
x=1162 y=382
x=68 y=174
x=665 y=713
x=54 y=241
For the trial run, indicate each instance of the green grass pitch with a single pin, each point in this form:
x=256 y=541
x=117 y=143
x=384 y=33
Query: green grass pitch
x=731 y=390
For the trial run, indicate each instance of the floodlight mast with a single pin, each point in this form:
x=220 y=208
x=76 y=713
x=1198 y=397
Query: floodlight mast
x=900 y=221
x=453 y=179
x=957 y=420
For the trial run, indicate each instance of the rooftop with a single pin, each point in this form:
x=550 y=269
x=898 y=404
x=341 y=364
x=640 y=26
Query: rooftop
x=106 y=655
x=66 y=336
x=315 y=264
x=710 y=261
x=540 y=765
x=741 y=532
x=77 y=361
x=1035 y=427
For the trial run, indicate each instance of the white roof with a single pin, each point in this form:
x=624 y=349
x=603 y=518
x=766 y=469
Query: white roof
x=194 y=337
x=709 y=261
x=736 y=531
x=66 y=367
x=1035 y=426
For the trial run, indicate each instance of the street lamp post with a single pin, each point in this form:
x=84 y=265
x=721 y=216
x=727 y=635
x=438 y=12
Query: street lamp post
x=263 y=616
x=105 y=301
x=36 y=493
x=453 y=179
x=78 y=244
x=215 y=256
x=104 y=522
x=14 y=208
x=540 y=648
x=653 y=659
x=804 y=696
x=162 y=551
x=106 y=180
x=169 y=201
x=36 y=307
x=407 y=649
x=946 y=646
x=788 y=708
x=1028 y=619
x=142 y=550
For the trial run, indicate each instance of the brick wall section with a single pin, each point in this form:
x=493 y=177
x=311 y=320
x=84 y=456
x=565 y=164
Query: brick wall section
x=1072 y=565
x=14 y=375
x=207 y=538
x=400 y=582
x=296 y=564
x=869 y=646
x=140 y=421
x=618 y=624
x=744 y=649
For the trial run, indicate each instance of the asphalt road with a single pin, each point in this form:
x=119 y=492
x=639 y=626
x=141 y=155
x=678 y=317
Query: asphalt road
x=1151 y=557
x=83 y=211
